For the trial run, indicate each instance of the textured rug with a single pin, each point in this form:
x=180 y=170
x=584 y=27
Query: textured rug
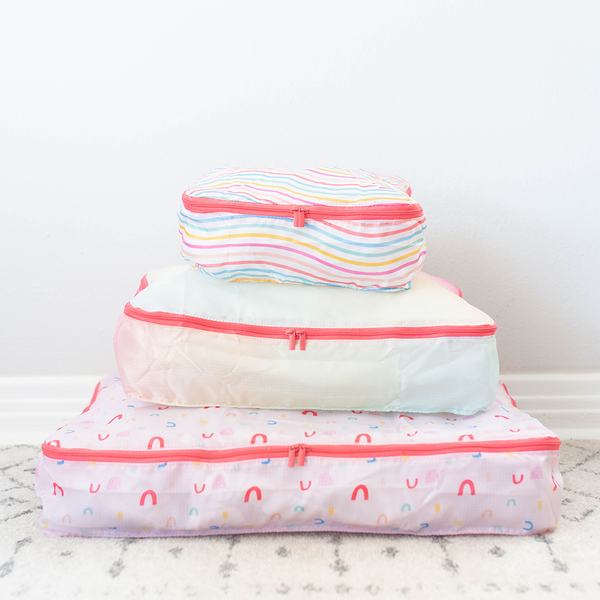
x=563 y=564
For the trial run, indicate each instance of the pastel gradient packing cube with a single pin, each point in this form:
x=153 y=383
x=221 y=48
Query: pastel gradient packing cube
x=188 y=339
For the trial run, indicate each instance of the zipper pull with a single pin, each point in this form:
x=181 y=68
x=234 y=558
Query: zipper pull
x=299 y=216
x=301 y=455
x=291 y=333
x=302 y=336
x=292 y=456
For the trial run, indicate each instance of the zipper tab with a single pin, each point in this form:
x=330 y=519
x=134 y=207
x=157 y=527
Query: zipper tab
x=291 y=333
x=296 y=450
x=299 y=216
x=301 y=455
x=302 y=336
x=299 y=451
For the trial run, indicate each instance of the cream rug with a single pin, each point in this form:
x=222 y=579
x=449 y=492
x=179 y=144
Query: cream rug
x=564 y=564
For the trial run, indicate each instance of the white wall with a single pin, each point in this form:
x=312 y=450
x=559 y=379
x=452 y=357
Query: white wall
x=108 y=110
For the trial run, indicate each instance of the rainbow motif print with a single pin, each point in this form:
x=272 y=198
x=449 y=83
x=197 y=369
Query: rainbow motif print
x=336 y=227
x=128 y=468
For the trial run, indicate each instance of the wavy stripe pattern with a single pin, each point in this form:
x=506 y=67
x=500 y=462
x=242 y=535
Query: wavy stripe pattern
x=369 y=255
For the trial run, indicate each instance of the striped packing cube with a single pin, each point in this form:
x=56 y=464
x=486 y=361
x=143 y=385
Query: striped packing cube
x=348 y=228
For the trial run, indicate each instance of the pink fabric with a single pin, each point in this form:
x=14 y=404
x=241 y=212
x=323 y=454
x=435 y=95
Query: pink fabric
x=445 y=491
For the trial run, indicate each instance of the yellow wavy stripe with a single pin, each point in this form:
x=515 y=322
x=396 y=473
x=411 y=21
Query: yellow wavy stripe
x=292 y=241
x=297 y=193
x=332 y=171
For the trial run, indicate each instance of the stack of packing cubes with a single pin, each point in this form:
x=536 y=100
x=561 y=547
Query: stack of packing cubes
x=299 y=372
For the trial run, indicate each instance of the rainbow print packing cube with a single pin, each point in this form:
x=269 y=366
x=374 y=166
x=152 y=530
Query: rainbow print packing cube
x=128 y=468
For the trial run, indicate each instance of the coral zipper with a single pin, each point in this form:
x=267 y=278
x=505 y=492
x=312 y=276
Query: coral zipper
x=301 y=451
x=300 y=213
x=320 y=333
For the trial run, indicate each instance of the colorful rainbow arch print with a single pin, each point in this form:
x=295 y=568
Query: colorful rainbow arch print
x=466 y=482
x=114 y=484
x=249 y=492
x=360 y=488
x=432 y=476
x=147 y=493
x=536 y=473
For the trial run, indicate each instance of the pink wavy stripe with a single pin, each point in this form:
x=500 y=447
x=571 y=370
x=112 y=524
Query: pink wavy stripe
x=311 y=268
x=199 y=193
x=310 y=275
x=351 y=181
x=278 y=193
x=297 y=200
x=373 y=274
x=376 y=177
x=288 y=249
x=261 y=199
x=349 y=231
x=329 y=174
x=374 y=235
x=351 y=177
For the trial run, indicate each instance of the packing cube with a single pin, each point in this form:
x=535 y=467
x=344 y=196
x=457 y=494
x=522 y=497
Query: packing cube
x=188 y=339
x=349 y=228
x=129 y=468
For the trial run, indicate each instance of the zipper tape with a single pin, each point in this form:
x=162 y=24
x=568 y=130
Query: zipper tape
x=304 y=334
x=55 y=452
x=318 y=212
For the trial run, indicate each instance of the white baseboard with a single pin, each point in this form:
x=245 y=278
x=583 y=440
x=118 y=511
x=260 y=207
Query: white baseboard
x=568 y=404
x=32 y=407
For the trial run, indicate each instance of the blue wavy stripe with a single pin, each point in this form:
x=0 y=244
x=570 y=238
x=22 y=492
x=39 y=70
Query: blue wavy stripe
x=321 y=189
x=418 y=232
x=270 y=274
x=321 y=244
